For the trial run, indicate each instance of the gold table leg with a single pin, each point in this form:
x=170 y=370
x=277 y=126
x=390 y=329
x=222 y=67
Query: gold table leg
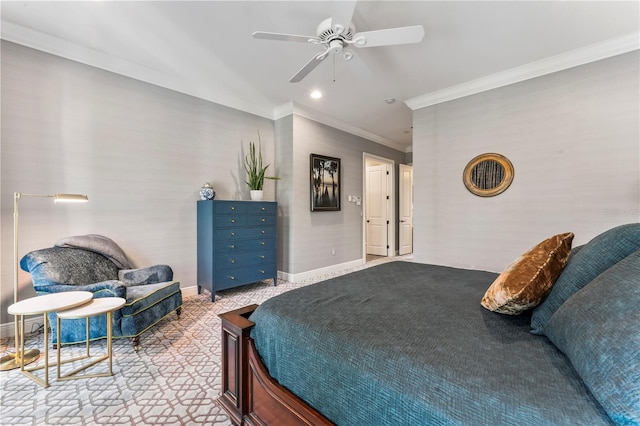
x=29 y=371
x=109 y=355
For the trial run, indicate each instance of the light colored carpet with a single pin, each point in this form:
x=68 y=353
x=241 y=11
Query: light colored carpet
x=173 y=379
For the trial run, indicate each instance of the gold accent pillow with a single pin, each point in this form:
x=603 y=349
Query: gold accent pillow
x=529 y=279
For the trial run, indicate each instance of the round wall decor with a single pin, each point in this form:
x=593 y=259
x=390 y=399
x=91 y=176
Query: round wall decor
x=488 y=175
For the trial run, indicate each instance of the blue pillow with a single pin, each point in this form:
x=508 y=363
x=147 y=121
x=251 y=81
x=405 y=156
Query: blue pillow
x=594 y=258
x=598 y=329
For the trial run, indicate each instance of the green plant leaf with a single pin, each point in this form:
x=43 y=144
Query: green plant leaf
x=254 y=168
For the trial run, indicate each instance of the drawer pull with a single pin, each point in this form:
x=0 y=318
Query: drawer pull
x=232 y=277
x=263 y=220
x=232 y=246
x=233 y=261
x=263 y=232
x=233 y=221
x=262 y=271
x=262 y=243
x=263 y=209
x=262 y=256
x=233 y=207
x=233 y=234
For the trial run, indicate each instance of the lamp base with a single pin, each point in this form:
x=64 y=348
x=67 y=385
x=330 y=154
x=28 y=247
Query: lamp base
x=12 y=361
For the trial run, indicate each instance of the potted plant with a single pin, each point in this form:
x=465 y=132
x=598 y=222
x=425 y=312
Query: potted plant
x=255 y=170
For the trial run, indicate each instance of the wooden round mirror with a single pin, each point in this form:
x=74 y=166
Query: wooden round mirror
x=488 y=174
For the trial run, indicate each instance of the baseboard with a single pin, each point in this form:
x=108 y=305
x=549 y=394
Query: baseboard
x=318 y=273
x=189 y=291
x=31 y=325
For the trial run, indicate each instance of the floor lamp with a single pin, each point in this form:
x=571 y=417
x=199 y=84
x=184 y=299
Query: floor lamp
x=11 y=361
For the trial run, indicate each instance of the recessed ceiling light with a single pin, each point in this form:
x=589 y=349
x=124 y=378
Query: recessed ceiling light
x=390 y=100
x=316 y=94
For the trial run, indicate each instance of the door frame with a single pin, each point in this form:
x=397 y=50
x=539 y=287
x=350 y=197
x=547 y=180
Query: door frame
x=392 y=205
x=401 y=195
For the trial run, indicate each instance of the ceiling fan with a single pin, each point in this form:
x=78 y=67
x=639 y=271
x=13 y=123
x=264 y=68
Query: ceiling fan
x=337 y=34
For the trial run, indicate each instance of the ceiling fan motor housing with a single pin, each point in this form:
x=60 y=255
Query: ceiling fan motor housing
x=327 y=33
x=336 y=46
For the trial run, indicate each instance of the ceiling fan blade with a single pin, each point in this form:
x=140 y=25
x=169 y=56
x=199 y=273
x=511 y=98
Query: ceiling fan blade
x=389 y=37
x=283 y=37
x=342 y=12
x=308 y=67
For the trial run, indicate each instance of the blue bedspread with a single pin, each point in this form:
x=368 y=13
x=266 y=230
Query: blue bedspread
x=409 y=344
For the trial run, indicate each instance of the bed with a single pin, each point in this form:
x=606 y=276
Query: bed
x=404 y=343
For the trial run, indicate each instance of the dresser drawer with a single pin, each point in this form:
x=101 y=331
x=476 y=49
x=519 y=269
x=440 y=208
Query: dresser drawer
x=230 y=207
x=228 y=278
x=244 y=233
x=230 y=221
x=241 y=259
x=262 y=209
x=238 y=246
x=261 y=220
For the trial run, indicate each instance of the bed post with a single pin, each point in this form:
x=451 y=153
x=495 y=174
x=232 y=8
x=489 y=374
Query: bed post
x=235 y=345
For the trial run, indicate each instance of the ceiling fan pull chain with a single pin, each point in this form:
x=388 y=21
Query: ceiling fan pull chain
x=334 y=68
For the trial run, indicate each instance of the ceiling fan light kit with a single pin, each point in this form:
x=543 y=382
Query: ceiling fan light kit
x=337 y=33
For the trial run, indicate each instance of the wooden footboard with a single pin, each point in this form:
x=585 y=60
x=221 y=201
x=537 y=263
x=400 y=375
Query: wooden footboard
x=250 y=396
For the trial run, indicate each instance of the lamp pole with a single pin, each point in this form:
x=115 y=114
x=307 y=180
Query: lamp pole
x=12 y=361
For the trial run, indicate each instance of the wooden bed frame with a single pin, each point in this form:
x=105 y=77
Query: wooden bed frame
x=250 y=396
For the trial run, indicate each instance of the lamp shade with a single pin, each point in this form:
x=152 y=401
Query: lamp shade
x=70 y=198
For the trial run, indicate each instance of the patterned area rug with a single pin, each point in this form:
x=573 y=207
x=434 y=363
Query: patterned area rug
x=173 y=379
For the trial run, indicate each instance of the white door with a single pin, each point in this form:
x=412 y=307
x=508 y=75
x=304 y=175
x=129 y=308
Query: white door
x=376 y=210
x=406 y=209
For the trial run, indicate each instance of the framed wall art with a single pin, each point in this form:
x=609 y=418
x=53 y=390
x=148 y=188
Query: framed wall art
x=325 y=183
x=488 y=175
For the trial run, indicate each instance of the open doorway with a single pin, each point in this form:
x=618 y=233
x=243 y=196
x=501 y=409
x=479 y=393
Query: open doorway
x=379 y=207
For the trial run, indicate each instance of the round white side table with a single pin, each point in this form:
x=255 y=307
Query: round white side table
x=101 y=306
x=43 y=305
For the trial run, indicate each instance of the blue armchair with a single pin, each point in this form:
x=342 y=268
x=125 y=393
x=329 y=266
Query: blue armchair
x=97 y=264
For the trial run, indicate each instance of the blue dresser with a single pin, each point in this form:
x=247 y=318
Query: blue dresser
x=236 y=243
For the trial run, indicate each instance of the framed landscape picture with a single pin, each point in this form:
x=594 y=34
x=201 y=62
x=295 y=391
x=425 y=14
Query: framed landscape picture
x=325 y=183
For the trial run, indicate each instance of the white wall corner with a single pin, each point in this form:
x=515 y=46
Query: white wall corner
x=297 y=109
x=283 y=110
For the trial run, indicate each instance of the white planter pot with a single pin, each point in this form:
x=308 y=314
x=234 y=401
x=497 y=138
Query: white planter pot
x=256 y=195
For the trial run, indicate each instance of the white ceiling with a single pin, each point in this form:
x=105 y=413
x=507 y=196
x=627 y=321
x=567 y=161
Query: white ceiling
x=205 y=49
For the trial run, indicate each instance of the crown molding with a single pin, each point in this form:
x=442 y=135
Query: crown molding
x=563 y=61
x=290 y=108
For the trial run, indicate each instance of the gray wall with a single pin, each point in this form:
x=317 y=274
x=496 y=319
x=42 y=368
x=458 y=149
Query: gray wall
x=140 y=152
x=285 y=188
x=311 y=236
x=573 y=138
